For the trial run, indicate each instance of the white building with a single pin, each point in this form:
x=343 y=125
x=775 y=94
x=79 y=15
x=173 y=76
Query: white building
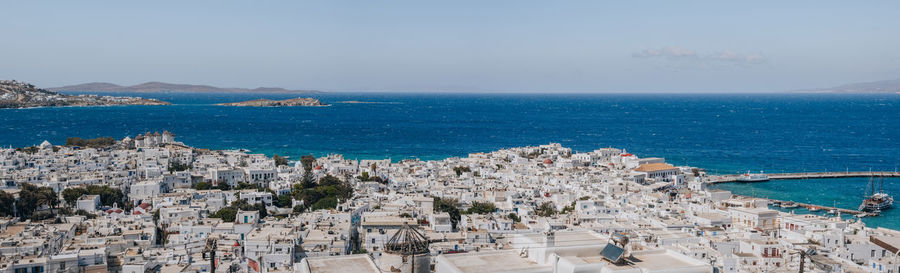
x=88 y=203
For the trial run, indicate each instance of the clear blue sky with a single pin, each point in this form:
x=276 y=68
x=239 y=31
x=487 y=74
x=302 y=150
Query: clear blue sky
x=427 y=46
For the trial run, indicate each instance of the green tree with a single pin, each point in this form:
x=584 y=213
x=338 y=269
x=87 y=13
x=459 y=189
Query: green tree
x=7 y=204
x=32 y=197
x=46 y=196
x=329 y=187
x=92 y=143
x=364 y=176
x=307 y=162
x=177 y=166
x=202 y=186
x=514 y=217
x=283 y=201
x=261 y=208
x=325 y=203
x=546 y=209
x=450 y=206
x=71 y=195
x=482 y=208
x=227 y=214
x=461 y=169
x=109 y=196
x=28 y=150
x=223 y=187
x=279 y=160
x=298 y=209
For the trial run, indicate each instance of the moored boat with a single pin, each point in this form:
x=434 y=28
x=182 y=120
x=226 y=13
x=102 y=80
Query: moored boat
x=748 y=177
x=876 y=201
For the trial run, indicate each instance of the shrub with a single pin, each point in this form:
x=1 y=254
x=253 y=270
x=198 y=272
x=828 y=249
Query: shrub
x=92 y=143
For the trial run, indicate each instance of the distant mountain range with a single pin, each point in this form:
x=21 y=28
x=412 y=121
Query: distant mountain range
x=151 y=87
x=16 y=94
x=888 y=86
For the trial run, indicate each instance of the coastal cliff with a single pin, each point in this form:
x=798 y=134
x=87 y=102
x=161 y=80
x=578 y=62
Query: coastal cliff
x=273 y=103
x=15 y=94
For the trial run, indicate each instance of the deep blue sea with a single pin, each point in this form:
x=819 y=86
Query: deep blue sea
x=722 y=133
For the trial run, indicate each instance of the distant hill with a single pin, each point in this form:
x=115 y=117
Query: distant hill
x=888 y=86
x=16 y=94
x=150 y=87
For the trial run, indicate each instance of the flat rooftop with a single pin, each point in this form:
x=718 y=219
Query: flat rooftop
x=567 y=238
x=338 y=264
x=658 y=261
x=646 y=261
x=494 y=261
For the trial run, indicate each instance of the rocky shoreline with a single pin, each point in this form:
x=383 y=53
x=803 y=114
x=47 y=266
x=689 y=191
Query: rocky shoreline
x=277 y=103
x=15 y=94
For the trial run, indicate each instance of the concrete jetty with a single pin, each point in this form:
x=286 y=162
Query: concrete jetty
x=807 y=175
x=808 y=206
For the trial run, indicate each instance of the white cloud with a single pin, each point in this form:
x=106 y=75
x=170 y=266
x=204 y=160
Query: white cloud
x=671 y=52
x=680 y=53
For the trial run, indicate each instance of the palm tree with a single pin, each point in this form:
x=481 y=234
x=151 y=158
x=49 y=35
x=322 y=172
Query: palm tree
x=46 y=196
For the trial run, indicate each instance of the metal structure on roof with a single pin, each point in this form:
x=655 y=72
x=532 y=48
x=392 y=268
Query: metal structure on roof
x=407 y=241
x=614 y=251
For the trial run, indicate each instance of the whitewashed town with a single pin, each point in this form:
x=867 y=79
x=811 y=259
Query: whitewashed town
x=149 y=203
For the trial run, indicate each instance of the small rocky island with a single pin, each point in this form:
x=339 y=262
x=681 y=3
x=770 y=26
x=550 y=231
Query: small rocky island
x=16 y=94
x=273 y=103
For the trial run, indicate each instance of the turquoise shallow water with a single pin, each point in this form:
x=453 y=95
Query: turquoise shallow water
x=722 y=133
x=840 y=192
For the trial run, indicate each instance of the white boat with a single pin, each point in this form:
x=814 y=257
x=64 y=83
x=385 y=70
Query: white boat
x=789 y=205
x=876 y=201
x=814 y=209
x=748 y=177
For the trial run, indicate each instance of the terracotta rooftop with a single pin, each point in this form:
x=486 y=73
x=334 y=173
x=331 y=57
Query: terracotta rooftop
x=652 y=167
